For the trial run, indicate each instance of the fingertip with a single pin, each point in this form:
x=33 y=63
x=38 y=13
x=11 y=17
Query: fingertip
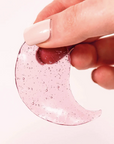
x=51 y=55
x=104 y=76
x=83 y=56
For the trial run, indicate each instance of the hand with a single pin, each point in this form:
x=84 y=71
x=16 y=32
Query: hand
x=82 y=23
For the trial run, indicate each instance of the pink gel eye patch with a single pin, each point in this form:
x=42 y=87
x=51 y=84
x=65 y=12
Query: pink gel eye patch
x=45 y=89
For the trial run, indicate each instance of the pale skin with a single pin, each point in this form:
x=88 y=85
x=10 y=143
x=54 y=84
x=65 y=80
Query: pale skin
x=81 y=23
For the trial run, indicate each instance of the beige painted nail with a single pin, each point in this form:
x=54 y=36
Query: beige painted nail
x=37 y=33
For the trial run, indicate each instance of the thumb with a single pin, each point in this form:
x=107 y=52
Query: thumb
x=71 y=26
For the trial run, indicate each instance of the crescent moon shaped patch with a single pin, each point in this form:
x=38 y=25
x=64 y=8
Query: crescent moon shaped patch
x=45 y=89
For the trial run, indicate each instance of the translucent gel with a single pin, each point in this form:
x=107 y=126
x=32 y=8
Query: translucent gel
x=45 y=89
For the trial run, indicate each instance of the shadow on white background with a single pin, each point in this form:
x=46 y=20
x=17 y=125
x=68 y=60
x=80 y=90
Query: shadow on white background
x=18 y=125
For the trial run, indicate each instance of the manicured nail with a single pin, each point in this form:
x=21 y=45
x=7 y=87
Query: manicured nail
x=37 y=33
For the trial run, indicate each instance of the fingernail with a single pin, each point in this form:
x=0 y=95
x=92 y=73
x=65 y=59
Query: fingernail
x=37 y=33
x=70 y=48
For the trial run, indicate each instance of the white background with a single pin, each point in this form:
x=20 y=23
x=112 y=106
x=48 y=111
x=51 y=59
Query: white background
x=18 y=125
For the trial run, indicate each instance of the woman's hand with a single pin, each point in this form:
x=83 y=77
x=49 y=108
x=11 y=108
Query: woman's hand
x=81 y=23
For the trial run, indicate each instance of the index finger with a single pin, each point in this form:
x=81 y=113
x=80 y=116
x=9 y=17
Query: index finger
x=55 y=7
